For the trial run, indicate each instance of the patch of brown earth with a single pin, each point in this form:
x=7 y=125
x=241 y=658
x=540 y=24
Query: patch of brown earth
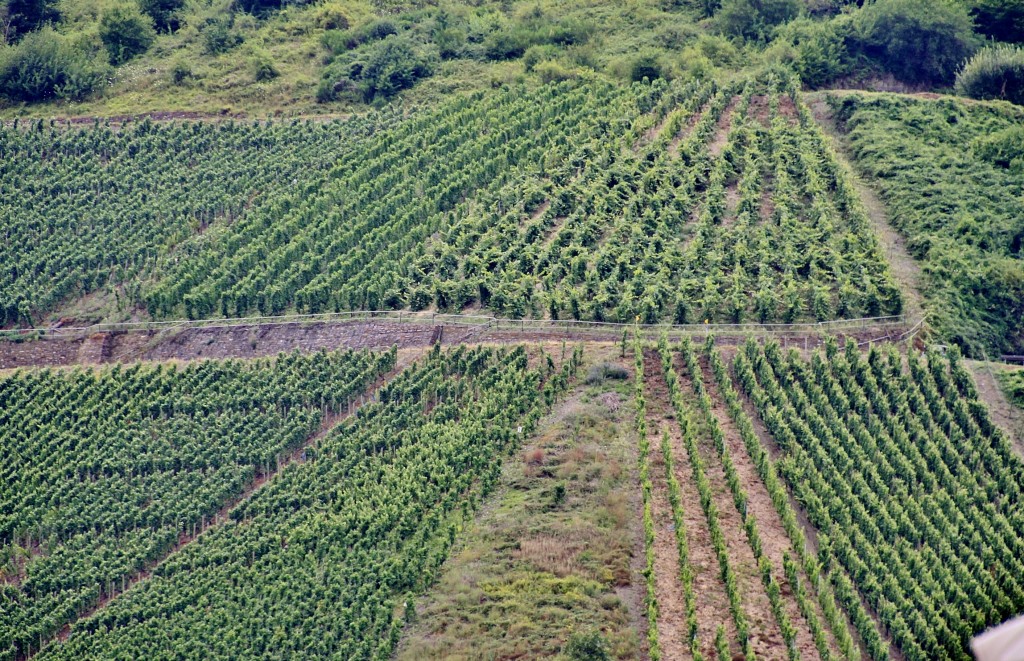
x=722 y=128
x=712 y=603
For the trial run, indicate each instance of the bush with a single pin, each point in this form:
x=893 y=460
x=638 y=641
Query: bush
x=219 y=35
x=994 y=73
x=378 y=71
x=755 y=19
x=646 y=66
x=1002 y=20
x=46 y=66
x=918 y=41
x=602 y=371
x=816 y=50
x=263 y=67
x=553 y=72
x=589 y=646
x=180 y=71
x=126 y=32
x=1003 y=149
x=163 y=12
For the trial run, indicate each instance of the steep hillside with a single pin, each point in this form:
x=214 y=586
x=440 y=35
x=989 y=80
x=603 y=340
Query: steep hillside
x=952 y=178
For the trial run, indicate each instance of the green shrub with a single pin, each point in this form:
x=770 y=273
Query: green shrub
x=994 y=73
x=553 y=72
x=1002 y=20
x=29 y=15
x=816 y=50
x=755 y=19
x=180 y=71
x=126 y=32
x=44 y=65
x=378 y=71
x=646 y=65
x=219 y=35
x=587 y=646
x=917 y=41
x=263 y=67
x=1004 y=148
x=163 y=12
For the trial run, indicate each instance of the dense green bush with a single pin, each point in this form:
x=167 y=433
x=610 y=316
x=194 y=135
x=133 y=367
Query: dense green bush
x=29 y=15
x=219 y=35
x=378 y=71
x=994 y=73
x=1002 y=20
x=589 y=646
x=1003 y=148
x=755 y=19
x=163 y=12
x=917 y=41
x=126 y=32
x=815 y=50
x=44 y=65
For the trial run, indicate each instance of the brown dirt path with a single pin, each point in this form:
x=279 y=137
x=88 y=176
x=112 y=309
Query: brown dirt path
x=773 y=533
x=672 y=627
x=765 y=634
x=1008 y=417
x=712 y=602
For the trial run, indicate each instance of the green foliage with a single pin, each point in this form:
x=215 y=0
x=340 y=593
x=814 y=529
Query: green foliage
x=891 y=462
x=126 y=32
x=755 y=19
x=587 y=646
x=163 y=12
x=1003 y=148
x=996 y=72
x=29 y=15
x=918 y=41
x=816 y=50
x=124 y=461
x=1002 y=20
x=1012 y=381
x=219 y=35
x=378 y=71
x=945 y=172
x=45 y=66
x=339 y=541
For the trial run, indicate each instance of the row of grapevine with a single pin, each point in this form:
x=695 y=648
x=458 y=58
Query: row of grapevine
x=740 y=497
x=806 y=560
x=893 y=459
x=609 y=235
x=86 y=206
x=707 y=503
x=646 y=486
x=104 y=471
x=326 y=560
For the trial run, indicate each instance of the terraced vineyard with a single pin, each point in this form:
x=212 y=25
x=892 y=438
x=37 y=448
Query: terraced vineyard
x=583 y=200
x=106 y=472
x=329 y=550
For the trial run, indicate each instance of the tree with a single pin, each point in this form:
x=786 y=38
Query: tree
x=28 y=15
x=918 y=41
x=126 y=32
x=755 y=19
x=163 y=12
x=1002 y=20
x=994 y=73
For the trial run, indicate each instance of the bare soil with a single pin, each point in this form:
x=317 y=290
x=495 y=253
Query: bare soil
x=765 y=635
x=721 y=135
x=712 y=603
x=1008 y=417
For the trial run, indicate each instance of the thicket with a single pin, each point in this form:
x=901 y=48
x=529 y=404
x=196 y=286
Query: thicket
x=946 y=171
x=326 y=560
x=996 y=72
x=104 y=471
x=893 y=461
x=44 y=66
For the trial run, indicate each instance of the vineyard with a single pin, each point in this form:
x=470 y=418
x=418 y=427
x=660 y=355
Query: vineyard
x=671 y=202
x=951 y=175
x=332 y=550
x=105 y=472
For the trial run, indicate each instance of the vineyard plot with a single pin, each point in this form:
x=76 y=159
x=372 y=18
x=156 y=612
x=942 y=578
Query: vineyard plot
x=742 y=572
x=84 y=207
x=665 y=201
x=915 y=494
x=107 y=471
x=326 y=559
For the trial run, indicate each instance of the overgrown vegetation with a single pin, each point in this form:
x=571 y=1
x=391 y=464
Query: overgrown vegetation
x=533 y=580
x=951 y=177
x=1013 y=383
x=994 y=73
